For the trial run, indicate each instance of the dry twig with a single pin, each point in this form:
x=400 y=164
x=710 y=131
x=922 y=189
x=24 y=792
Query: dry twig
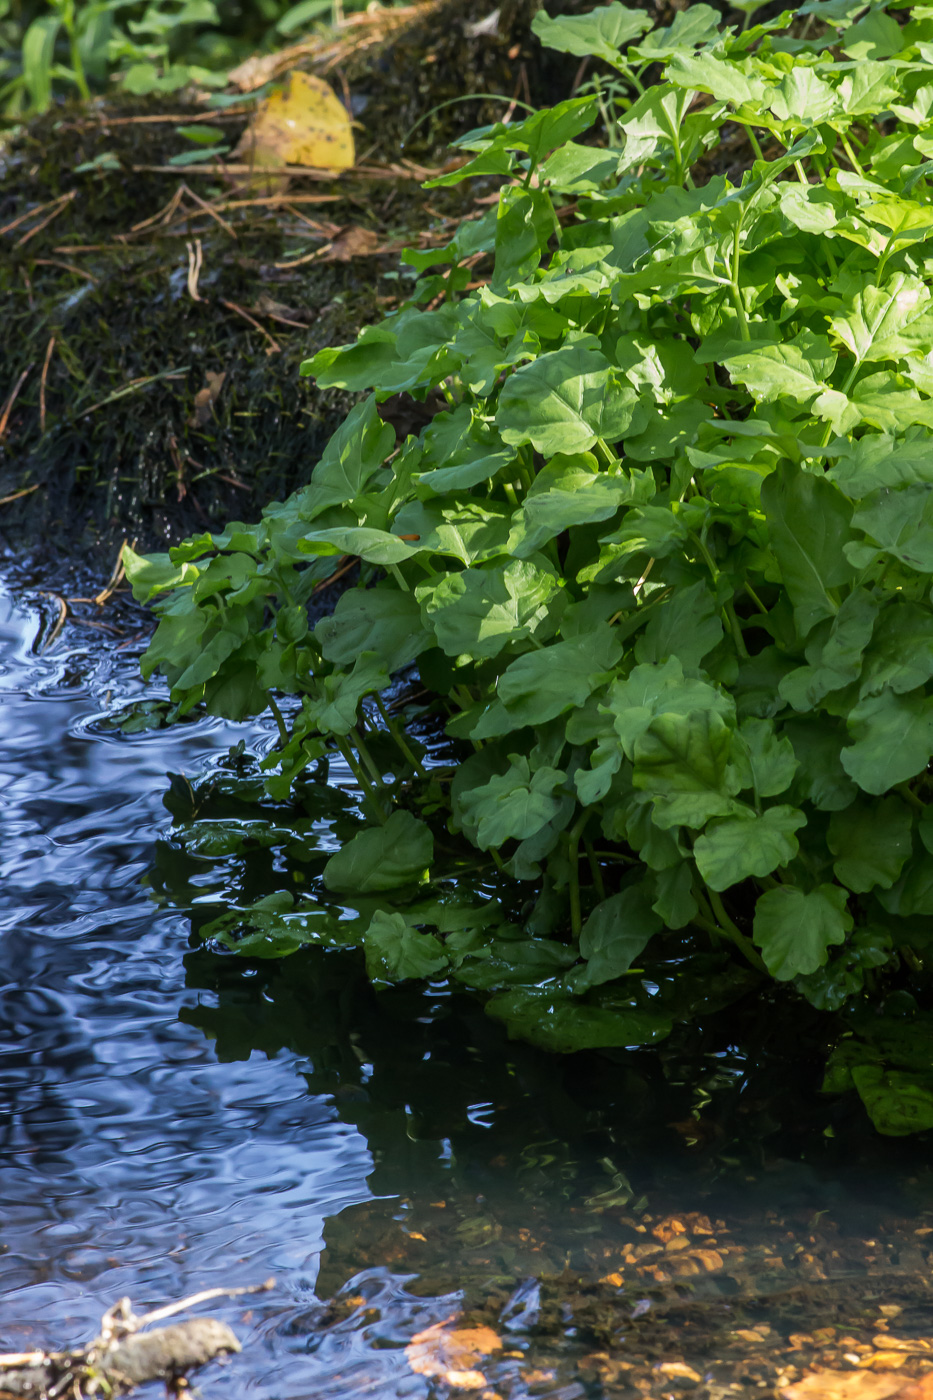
x=45 y=374
x=273 y=347
x=11 y=400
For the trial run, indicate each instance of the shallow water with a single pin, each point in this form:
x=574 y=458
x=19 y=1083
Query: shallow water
x=174 y=1119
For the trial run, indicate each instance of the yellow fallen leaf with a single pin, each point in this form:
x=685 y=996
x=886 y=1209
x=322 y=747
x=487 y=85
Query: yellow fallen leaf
x=883 y=1360
x=451 y=1353
x=678 y=1371
x=304 y=123
x=843 y=1385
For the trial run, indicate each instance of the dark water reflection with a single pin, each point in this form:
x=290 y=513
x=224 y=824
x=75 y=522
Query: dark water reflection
x=173 y=1119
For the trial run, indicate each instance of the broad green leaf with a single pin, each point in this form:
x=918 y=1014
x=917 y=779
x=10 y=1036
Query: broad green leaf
x=898 y=523
x=469 y=530
x=771 y=759
x=651 y=690
x=381 y=620
x=602 y=33
x=335 y=708
x=897 y=1102
x=878 y=461
x=683 y=763
x=795 y=930
x=614 y=935
x=726 y=81
x=884 y=322
x=395 y=951
x=698 y=25
x=152 y=574
x=809 y=520
x=564 y=401
x=876 y=36
x=526 y=222
x=893 y=740
x=514 y=962
x=480 y=611
x=802 y=98
x=834 y=653
x=797 y=369
x=687 y=626
x=570 y=491
x=515 y=805
x=375 y=546
x=733 y=850
x=654 y=122
x=871 y=841
x=900 y=657
x=674 y=902
x=357 y=449
x=382 y=858
x=543 y=684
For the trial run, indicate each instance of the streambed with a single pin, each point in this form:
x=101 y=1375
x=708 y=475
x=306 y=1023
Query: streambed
x=173 y=1118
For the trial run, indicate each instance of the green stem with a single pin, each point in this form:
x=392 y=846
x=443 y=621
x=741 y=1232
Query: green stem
x=911 y=797
x=396 y=573
x=734 y=284
x=755 y=599
x=573 y=856
x=733 y=933
x=280 y=722
x=605 y=451
x=367 y=758
x=595 y=871
x=736 y=630
x=365 y=785
x=755 y=143
x=399 y=738
x=847 y=147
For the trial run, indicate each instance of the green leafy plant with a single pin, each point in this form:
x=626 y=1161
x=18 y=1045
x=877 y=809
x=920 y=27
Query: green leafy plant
x=663 y=562
x=149 y=45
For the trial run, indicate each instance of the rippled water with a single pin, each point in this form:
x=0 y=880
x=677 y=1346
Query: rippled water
x=131 y=1160
x=174 y=1119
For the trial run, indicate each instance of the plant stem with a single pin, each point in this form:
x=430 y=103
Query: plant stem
x=573 y=856
x=755 y=143
x=736 y=630
x=755 y=599
x=367 y=758
x=734 y=284
x=733 y=933
x=847 y=147
x=365 y=785
x=910 y=796
x=280 y=722
x=396 y=573
x=595 y=871
x=399 y=738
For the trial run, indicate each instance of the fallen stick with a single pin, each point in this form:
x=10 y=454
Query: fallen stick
x=165 y=1354
x=122 y=1357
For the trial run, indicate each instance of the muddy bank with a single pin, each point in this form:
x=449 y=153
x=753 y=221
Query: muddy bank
x=156 y=317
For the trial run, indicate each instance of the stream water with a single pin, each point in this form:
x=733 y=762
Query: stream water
x=175 y=1119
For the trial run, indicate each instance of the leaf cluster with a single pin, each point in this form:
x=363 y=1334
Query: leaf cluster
x=664 y=560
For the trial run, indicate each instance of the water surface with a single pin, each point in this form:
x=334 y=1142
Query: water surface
x=173 y=1118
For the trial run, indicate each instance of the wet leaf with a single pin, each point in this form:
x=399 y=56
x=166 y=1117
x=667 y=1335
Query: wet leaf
x=452 y=1354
